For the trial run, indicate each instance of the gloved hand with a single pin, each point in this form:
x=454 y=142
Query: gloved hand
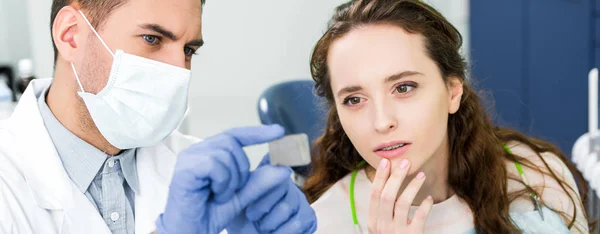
x=212 y=185
x=284 y=210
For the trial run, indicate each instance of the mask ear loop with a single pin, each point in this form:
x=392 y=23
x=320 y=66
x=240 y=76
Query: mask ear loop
x=97 y=35
x=101 y=41
x=77 y=78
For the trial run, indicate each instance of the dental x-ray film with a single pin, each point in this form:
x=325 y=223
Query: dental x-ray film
x=291 y=150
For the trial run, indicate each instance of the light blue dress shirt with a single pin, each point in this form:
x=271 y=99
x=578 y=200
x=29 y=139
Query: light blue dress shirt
x=109 y=182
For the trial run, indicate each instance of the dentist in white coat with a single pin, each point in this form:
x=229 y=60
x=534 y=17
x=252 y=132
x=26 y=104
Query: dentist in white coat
x=94 y=149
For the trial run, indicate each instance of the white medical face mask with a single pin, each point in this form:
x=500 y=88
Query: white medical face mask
x=142 y=103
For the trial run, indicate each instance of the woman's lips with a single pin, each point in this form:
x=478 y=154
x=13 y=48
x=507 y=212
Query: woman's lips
x=397 y=152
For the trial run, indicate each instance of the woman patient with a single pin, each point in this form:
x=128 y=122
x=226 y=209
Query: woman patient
x=409 y=147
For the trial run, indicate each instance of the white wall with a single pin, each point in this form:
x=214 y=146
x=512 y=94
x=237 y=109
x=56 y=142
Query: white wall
x=14 y=39
x=4 y=53
x=41 y=42
x=250 y=45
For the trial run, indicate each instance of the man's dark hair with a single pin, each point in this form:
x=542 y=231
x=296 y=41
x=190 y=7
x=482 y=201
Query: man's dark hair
x=97 y=11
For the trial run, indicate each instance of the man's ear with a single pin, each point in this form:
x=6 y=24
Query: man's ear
x=66 y=32
x=455 y=92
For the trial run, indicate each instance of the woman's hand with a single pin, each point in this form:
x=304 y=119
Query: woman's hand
x=388 y=215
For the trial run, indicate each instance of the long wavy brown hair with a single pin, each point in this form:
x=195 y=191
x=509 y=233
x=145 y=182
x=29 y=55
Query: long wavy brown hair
x=477 y=160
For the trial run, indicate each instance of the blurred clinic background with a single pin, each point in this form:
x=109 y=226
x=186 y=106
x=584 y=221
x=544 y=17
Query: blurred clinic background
x=532 y=56
x=250 y=46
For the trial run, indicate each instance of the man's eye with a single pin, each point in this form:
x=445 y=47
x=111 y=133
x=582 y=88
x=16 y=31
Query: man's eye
x=189 y=51
x=152 y=40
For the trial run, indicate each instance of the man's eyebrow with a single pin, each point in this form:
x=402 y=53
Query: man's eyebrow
x=160 y=30
x=197 y=43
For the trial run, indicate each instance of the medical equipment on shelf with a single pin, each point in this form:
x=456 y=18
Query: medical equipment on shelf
x=7 y=96
x=585 y=154
x=25 y=74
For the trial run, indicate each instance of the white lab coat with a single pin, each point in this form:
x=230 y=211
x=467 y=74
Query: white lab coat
x=37 y=195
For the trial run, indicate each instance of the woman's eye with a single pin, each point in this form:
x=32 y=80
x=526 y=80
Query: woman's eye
x=404 y=88
x=352 y=100
x=150 y=39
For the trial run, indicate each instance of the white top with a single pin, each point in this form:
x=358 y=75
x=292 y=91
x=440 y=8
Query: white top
x=453 y=215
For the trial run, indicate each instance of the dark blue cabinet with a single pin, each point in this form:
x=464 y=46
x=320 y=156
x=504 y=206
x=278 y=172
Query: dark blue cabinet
x=534 y=57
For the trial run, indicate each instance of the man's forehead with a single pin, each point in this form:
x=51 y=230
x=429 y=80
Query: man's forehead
x=192 y=8
x=177 y=16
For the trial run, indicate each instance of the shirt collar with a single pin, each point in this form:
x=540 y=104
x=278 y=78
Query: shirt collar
x=82 y=161
x=129 y=168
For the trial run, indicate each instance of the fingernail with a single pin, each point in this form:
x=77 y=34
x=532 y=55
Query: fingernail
x=421 y=175
x=404 y=164
x=275 y=126
x=383 y=163
x=429 y=197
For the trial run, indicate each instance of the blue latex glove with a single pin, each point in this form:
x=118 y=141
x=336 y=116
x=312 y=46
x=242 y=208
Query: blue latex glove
x=283 y=210
x=212 y=184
